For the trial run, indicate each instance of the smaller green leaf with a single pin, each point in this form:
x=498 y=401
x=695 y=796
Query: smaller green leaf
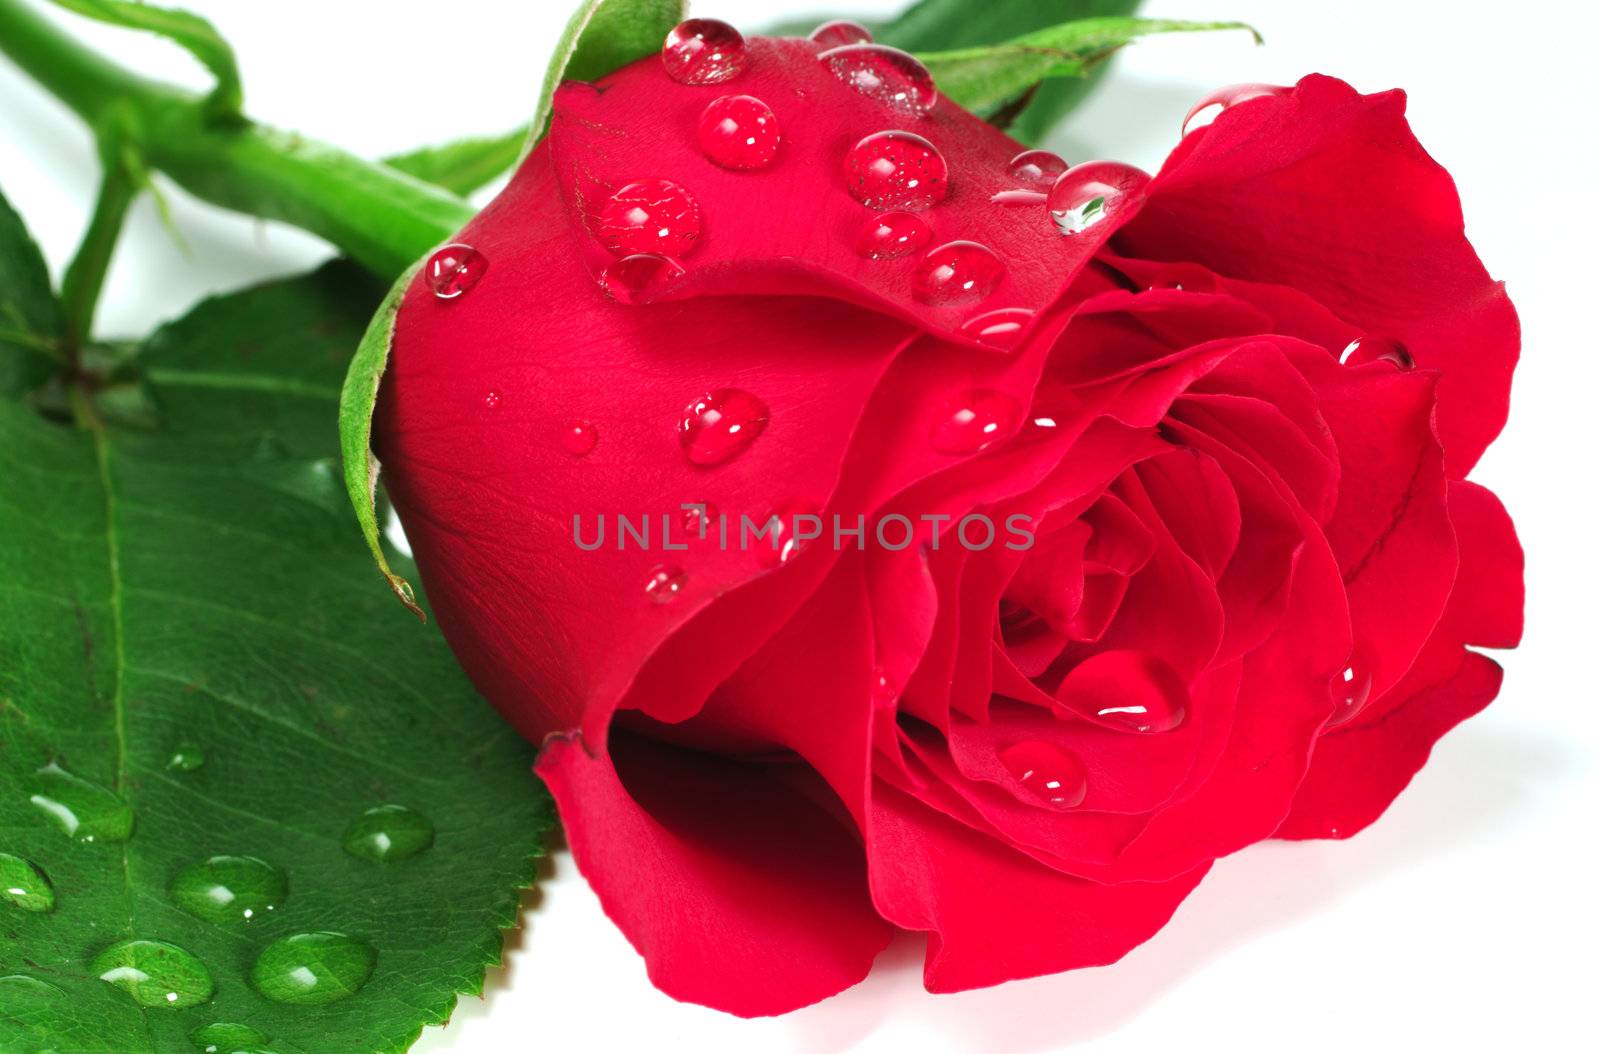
x=189 y=31
x=356 y=403
x=30 y=315
x=465 y=165
x=602 y=36
x=983 y=79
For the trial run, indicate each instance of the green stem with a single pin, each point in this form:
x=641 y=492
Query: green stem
x=385 y=219
x=120 y=182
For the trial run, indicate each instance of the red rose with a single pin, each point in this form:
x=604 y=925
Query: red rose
x=1254 y=570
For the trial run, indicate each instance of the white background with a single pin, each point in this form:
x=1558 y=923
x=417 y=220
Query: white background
x=1464 y=920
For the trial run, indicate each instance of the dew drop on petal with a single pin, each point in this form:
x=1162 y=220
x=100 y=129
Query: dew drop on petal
x=312 y=969
x=891 y=235
x=1092 y=193
x=974 y=420
x=697 y=518
x=579 y=437
x=1377 y=349
x=1038 y=168
x=720 y=425
x=1019 y=198
x=896 y=170
x=1350 y=689
x=492 y=400
x=884 y=691
x=638 y=278
x=888 y=75
x=1210 y=108
x=664 y=583
x=649 y=216
x=1054 y=776
x=959 y=272
x=840 y=32
x=1002 y=329
x=781 y=540
x=703 y=51
x=739 y=132
x=453 y=270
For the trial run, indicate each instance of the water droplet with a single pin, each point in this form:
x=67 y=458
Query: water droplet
x=890 y=235
x=1350 y=689
x=579 y=437
x=974 y=420
x=782 y=541
x=83 y=810
x=227 y=889
x=1039 y=168
x=719 y=425
x=957 y=273
x=388 y=832
x=17 y=987
x=703 y=51
x=664 y=583
x=635 y=279
x=885 y=691
x=887 y=75
x=739 y=132
x=1049 y=773
x=492 y=400
x=453 y=270
x=1377 y=349
x=840 y=32
x=896 y=170
x=1162 y=709
x=1092 y=193
x=24 y=885
x=313 y=968
x=186 y=757
x=1002 y=329
x=225 y=1037
x=699 y=519
x=1020 y=198
x=1210 y=108
x=155 y=973
x=649 y=216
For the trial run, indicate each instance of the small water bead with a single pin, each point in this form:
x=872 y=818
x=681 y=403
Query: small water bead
x=24 y=885
x=649 y=216
x=974 y=420
x=1377 y=349
x=1210 y=108
x=1038 y=168
x=1020 y=198
x=1092 y=193
x=453 y=270
x=891 y=235
x=721 y=425
x=1350 y=689
x=698 y=519
x=704 y=51
x=739 y=132
x=839 y=33
x=225 y=1037
x=957 y=273
x=186 y=757
x=388 y=832
x=664 y=583
x=887 y=75
x=1054 y=776
x=636 y=279
x=885 y=691
x=229 y=889
x=155 y=973
x=896 y=170
x=1002 y=329
x=85 y=811
x=783 y=527
x=311 y=969
x=579 y=437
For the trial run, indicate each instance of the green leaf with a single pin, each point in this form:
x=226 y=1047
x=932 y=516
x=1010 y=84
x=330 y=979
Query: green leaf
x=189 y=31
x=190 y=651
x=983 y=79
x=602 y=36
x=463 y=166
x=30 y=315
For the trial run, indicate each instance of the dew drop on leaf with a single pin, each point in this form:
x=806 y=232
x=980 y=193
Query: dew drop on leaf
x=24 y=885
x=86 y=812
x=19 y=987
x=388 y=832
x=155 y=973
x=225 y=1037
x=227 y=889
x=311 y=969
x=186 y=758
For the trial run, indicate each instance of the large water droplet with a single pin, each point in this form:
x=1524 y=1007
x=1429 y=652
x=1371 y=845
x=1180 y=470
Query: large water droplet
x=703 y=51
x=1210 y=108
x=1093 y=193
x=24 y=885
x=313 y=968
x=579 y=437
x=890 y=235
x=887 y=75
x=1162 y=707
x=1350 y=689
x=896 y=170
x=83 y=810
x=225 y=1037
x=388 y=832
x=638 y=278
x=720 y=425
x=974 y=420
x=739 y=132
x=1377 y=349
x=453 y=270
x=227 y=889
x=664 y=583
x=840 y=32
x=155 y=973
x=649 y=216
x=19 y=987
x=1054 y=776
x=1002 y=329
x=1039 y=168
x=957 y=273
x=186 y=757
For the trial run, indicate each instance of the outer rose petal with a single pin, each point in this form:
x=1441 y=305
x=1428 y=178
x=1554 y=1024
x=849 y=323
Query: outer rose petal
x=741 y=893
x=1327 y=191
